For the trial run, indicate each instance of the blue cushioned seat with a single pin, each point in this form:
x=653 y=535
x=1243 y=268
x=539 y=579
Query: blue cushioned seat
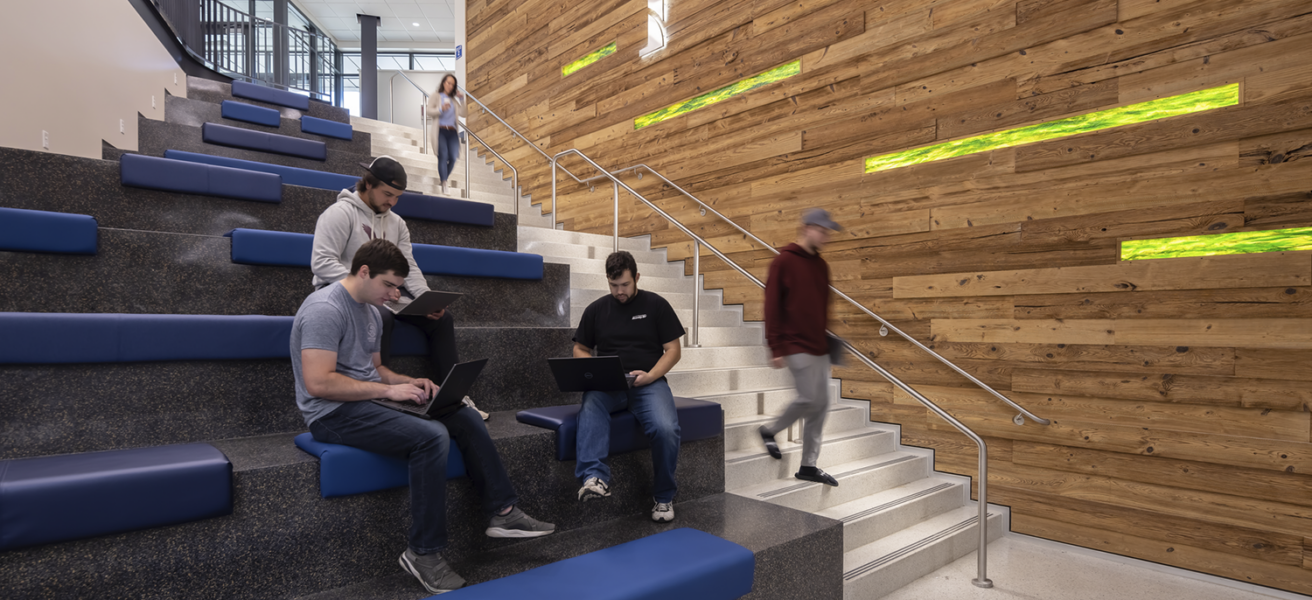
x=698 y=420
x=157 y=173
x=250 y=113
x=346 y=470
x=317 y=126
x=226 y=135
x=475 y=262
x=451 y=210
x=46 y=338
x=41 y=231
x=290 y=175
x=241 y=89
x=279 y=248
x=683 y=564
x=73 y=496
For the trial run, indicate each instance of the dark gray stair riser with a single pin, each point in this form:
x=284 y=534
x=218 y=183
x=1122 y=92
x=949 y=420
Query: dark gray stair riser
x=154 y=137
x=216 y=92
x=164 y=273
x=60 y=409
x=284 y=540
x=43 y=181
x=797 y=554
x=195 y=113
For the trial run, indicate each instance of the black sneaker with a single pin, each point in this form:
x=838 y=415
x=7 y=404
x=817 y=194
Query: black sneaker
x=432 y=571
x=516 y=524
x=816 y=475
x=770 y=445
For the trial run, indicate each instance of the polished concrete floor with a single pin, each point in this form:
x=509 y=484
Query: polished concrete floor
x=1027 y=568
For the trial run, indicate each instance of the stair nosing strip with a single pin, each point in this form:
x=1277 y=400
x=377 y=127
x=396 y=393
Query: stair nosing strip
x=734 y=461
x=893 y=503
x=905 y=550
x=803 y=485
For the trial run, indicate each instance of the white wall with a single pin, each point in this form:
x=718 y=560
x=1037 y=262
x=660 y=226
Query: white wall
x=74 y=68
x=407 y=97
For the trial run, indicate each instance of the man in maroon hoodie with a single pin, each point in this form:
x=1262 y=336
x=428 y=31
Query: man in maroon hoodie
x=796 y=315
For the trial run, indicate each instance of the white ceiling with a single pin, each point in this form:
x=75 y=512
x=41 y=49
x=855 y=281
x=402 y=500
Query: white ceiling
x=403 y=24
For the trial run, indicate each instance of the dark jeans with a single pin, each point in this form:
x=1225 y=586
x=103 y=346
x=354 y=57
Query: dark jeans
x=653 y=406
x=441 y=336
x=448 y=150
x=425 y=444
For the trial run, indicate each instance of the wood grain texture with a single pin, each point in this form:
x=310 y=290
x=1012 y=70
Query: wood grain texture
x=1178 y=389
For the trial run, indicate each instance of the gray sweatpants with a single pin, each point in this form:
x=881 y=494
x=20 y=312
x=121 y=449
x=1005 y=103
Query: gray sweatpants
x=811 y=374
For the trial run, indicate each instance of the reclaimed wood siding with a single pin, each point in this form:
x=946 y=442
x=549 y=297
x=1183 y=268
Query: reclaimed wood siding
x=1179 y=389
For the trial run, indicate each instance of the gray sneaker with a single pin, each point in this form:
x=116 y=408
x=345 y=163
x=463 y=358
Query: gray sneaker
x=663 y=512
x=432 y=571
x=516 y=524
x=593 y=488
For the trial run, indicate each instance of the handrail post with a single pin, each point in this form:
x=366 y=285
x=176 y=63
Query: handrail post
x=617 y=216
x=696 y=293
x=553 y=192
x=982 y=580
x=469 y=188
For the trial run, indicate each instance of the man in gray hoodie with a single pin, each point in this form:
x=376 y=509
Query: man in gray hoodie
x=366 y=214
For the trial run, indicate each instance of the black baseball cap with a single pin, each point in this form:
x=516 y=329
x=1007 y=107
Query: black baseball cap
x=388 y=171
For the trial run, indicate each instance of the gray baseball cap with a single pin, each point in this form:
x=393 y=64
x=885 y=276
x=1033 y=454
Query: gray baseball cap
x=820 y=217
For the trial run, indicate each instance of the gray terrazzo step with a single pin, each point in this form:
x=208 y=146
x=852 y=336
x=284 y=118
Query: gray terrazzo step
x=880 y=515
x=283 y=540
x=794 y=554
x=878 y=568
x=216 y=92
x=154 y=137
x=746 y=468
x=187 y=111
x=856 y=479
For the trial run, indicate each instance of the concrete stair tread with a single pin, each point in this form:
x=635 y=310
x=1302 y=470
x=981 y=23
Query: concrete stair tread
x=873 y=505
x=867 y=560
x=840 y=472
x=787 y=447
x=736 y=422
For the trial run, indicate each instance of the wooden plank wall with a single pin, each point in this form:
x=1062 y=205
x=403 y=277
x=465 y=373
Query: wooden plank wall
x=1179 y=389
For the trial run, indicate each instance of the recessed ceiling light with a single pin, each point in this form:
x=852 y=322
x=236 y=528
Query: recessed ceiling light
x=415 y=24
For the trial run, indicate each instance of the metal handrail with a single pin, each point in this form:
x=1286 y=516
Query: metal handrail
x=514 y=172
x=516 y=132
x=423 y=114
x=981 y=580
x=1018 y=419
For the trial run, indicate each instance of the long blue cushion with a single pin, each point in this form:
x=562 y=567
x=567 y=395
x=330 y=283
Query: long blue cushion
x=346 y=470
x=241 y=89
x=290 y=175
x=251 y=113
x=325 y=127
x=260 y=247
x=196 y=178
x=72 y=496
x=42 y=231
x=686 y=564
x=434 y=208
x=45 y=338
x=698 y=420
x=475 y=262
x=226 y=135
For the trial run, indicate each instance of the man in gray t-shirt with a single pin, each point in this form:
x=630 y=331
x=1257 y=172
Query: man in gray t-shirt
x=335 y=357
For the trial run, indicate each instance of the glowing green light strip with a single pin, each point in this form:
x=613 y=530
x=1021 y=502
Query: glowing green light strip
x=1104 y=119
x=1242 y=242
x=587 y=59
x=724 y=93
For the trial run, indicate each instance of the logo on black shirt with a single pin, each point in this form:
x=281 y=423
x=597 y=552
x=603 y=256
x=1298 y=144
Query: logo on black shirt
x=636 y=317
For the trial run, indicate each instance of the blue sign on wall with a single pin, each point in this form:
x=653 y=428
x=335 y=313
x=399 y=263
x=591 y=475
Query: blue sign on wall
x=460 y=51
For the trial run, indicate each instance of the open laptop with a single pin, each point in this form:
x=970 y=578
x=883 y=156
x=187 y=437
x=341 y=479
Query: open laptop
x=450 y=396
x=427 y=303
x=591 y=374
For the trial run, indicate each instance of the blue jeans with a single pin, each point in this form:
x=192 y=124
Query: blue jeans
x=448 y=150
x=653 y=405
x=425 y=444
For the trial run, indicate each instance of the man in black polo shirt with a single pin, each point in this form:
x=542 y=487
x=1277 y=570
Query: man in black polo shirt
x=642 y=329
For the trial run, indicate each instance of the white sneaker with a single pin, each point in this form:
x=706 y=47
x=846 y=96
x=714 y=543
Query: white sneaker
x=470 y=404
x=663 y=512
x=443 y=188
x=593 y=488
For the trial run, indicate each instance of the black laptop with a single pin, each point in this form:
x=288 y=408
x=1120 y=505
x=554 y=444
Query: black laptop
x=450 y=396
x=591 y=374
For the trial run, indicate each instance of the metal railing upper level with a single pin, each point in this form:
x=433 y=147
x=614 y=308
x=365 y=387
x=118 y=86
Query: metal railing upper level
x=243 y=46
